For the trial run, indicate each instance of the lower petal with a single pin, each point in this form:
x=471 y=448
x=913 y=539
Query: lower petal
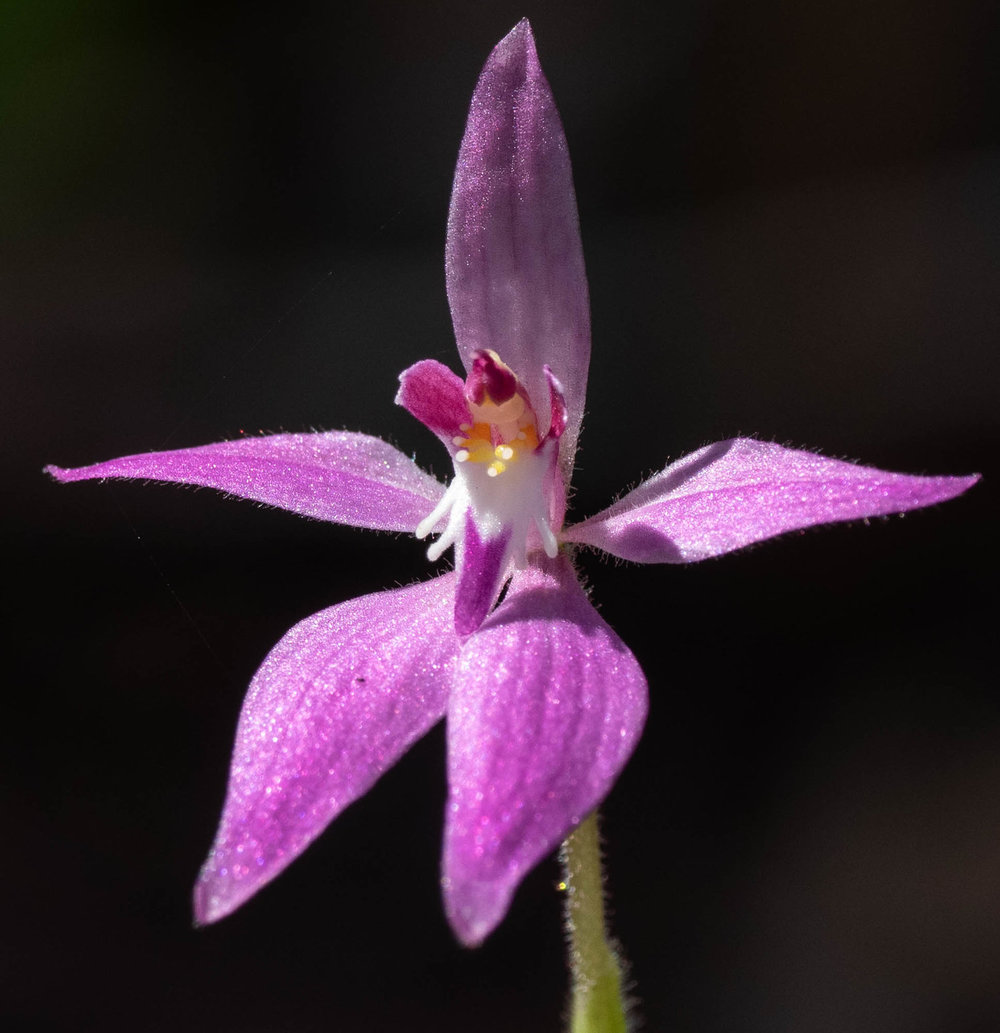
x=336 y=703
x=547 y=707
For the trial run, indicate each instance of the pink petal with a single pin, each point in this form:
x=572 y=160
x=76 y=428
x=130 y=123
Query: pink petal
x=336 y=703
x=514 y=262
x=735 y=492
x=338 y=476
x=436 y=396
x=482 y=568
x=548 y=705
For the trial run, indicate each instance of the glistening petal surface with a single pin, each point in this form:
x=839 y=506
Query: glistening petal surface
x=548 y=705
x=735 y=492
x=335 y=704
x=339 y=476
x=514 y=261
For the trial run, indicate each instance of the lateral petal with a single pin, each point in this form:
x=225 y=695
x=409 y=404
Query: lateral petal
x=436 y=396
x=513 y=260
x=736 y=492
x=548 y=705
x=336 y=703
x=340 y=476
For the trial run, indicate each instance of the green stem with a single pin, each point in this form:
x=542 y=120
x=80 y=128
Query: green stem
x=596 y=1005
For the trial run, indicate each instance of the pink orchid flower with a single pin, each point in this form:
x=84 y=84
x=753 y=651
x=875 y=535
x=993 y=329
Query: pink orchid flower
x=544 y=702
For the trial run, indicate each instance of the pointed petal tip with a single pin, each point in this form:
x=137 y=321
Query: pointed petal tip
x=59 y=473
x=218 y=891
x=516 y=54
x=520 y=34
x=69 y=474
x=210 y=900
x=944 y=489
x=908 y=492
x=474 y=909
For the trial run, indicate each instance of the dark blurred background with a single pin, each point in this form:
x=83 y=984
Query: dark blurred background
x=230 y=217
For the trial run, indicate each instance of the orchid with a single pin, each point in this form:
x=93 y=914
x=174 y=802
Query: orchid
x=544 y=703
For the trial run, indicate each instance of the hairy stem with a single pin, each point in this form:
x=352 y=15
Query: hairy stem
x=596 y=1004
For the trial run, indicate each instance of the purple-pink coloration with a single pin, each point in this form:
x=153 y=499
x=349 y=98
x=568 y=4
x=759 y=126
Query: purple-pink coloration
x=483 y=567
x=513 y=257
x=544 y=703
x=489 y=377
x=327 y=476
x=337 y=701
x=434 y=394
x=736 y=492
x=571 y=696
